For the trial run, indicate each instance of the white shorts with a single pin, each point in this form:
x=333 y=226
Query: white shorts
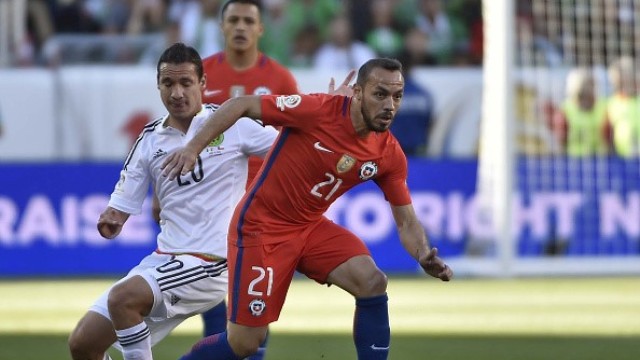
x=183 y=286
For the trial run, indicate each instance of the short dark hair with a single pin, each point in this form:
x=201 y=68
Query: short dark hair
x=385 y=63
x=257 y=3
x=180 y=53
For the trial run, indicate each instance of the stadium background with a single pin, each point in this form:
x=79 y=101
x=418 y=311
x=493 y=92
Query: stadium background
x=66 y=126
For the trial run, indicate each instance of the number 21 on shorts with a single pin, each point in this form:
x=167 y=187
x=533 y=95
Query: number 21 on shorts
x=264 y=274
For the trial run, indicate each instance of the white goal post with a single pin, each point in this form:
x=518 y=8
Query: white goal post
x=590 y=205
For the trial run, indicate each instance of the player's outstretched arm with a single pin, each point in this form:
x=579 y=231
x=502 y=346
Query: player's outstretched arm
x=111 y=221
x=183 y=160
x=344 y=88
x=415 y=241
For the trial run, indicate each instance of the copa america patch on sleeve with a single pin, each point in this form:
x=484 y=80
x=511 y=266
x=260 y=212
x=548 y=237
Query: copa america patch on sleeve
x=288 y=101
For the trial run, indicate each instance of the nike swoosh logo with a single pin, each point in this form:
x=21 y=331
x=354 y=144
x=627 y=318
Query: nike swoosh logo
x=208 y=92
x=374 y=347
x=320 y=147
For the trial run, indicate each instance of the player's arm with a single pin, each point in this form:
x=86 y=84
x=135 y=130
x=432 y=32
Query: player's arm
x=183 y=160
x=415 y=241
x=111 y=221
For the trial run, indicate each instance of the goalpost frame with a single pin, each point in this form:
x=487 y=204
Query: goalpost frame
x=497 y=114
x=497 y=173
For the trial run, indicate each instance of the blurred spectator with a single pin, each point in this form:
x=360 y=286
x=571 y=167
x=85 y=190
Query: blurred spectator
x=416 y=49
x=113 y=15
x=170 y=36
x=39 y=25
x=359 y=13
x=75 y=16
x=341 y=52
x=199 y=24
x=412 y=123
x=384 y=38
x=404 y=11
x=623 y=108
x=305 y=45
x=285 y=19
x=278 y=40
x=536 y=49
x=301 y=13
x=580 y=125
x=146 y=16
x=442 y=30
x=24 y=27
x=469 y=12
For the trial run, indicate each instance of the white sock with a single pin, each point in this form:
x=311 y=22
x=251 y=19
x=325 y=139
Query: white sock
x=136 y=343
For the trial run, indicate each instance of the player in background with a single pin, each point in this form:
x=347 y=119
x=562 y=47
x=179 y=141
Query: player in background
x=187 y=274
x=327 y=145
x=241 y=68
x=238 y=70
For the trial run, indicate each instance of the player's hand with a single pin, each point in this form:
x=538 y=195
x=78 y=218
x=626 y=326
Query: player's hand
x=344 y=88
x=433 y=265
x=110 y=224
x=180 y=162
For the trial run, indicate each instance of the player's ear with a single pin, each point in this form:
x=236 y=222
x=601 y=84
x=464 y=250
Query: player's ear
x=357 y=92
x=203 y=81
x=260 y=29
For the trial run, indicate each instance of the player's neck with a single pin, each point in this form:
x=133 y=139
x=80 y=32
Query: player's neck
x=357 y=121
x=181 y=124
x=242 y=60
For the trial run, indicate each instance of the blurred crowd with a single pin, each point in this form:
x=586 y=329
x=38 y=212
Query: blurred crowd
x=298 y=33
x=596 y=115
x=576 y=32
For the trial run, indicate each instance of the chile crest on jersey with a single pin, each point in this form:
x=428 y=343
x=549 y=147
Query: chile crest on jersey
x=368 y=170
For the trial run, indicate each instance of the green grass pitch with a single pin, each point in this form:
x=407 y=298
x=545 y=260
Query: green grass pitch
x=492 y=319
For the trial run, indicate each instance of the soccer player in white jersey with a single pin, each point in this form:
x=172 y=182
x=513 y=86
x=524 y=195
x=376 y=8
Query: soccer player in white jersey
x=187 y=274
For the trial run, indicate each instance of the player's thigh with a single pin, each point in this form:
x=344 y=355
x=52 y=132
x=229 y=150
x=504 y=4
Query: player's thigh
x=259 y=278
x=93 y=333
x=327 y=247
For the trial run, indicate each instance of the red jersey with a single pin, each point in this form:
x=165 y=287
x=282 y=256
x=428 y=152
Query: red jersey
x=317 y=157
x=266 y=77
x=224 y=82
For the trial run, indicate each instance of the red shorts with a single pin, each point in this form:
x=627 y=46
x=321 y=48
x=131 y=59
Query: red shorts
x=259 y=276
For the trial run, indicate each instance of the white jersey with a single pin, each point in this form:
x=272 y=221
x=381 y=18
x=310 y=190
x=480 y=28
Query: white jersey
x=195 y=208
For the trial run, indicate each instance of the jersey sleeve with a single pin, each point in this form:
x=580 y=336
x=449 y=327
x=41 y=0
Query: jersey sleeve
x=133 y=185
x=256 y=139
x=296 y=111
x=393 y=182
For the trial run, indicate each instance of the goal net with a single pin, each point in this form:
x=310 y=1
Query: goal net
x=559 y=175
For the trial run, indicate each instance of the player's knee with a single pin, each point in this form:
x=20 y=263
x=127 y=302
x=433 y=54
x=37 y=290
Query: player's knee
x=79 y=348
x=125 y=299
x=245 y=345
x=376 y=284
x=119 y=297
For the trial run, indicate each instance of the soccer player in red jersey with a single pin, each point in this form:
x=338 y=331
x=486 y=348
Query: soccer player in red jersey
x=327 y=145
x=241 y=69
